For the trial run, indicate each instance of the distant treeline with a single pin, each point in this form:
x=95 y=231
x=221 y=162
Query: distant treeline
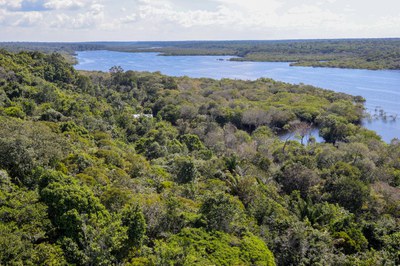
x=343 y=53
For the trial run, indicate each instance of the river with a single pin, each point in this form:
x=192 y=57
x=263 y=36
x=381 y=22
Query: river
x=381 y=88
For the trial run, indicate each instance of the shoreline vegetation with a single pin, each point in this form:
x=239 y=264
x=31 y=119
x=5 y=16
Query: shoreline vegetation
x=139 y=168
x=373 y=54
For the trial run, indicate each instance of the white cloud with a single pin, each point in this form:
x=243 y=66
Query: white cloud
x=164 y=11
x=205 y=19
x=28 y=19
x=388 y=25
x=129 y=19
x=93 y=17
x=10 y=4
x=65 y=14
x=250 y=14
x=257 y=6
x=65 y=4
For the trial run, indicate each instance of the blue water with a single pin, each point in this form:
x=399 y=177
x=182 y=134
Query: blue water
x=380 y=88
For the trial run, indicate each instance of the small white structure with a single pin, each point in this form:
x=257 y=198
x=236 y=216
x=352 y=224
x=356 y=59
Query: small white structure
x=142 y=115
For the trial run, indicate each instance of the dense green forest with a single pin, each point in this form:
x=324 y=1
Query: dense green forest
x=343 y=53
x=136 y=168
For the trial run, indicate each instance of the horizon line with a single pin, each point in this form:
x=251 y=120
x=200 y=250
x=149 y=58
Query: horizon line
x=211 y=40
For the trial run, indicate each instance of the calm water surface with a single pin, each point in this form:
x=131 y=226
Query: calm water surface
x=380 y=88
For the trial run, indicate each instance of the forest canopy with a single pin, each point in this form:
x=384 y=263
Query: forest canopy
x=139 y=168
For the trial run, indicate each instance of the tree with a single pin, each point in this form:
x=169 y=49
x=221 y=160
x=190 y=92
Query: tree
x=27 y=145
x=24 y=227
x=334 y=128
x=255 y=118
x=296 y=176
x=222 y=212
x=193 y=246
x=185 y=170
x=58 y=70
x=192 y=142
x=133 y=219
x=88 y=233
x=300 y=129
x=348 y=192
x=170 y=113
x=116 y=74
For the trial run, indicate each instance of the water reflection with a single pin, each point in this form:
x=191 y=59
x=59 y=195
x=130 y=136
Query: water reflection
x=311 y=136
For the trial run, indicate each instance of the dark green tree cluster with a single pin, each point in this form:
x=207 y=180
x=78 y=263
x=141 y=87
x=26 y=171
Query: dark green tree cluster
x=131 y=168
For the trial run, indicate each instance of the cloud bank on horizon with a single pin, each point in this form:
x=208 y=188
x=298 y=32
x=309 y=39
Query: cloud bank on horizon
x=130 y=20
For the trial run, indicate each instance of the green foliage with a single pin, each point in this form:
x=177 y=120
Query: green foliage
x=102 y=242
x=334 y=128
x=222 y=212
x=72 y=127
x=133 y=219
x=87 y=179
x=186 y=170
x=14 y=112
x=351 y=241
x=393 y=246
x=66 y=200
x=296 y=176
x=192 y=142
x=349 y=193
x=23 y=223
x=115 y=198
x=197 y=247
x=254 y=251
x=25 y=146
x=58 y=70
x=169 y=113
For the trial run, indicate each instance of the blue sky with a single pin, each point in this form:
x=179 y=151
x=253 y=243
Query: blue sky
x=135 y=20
